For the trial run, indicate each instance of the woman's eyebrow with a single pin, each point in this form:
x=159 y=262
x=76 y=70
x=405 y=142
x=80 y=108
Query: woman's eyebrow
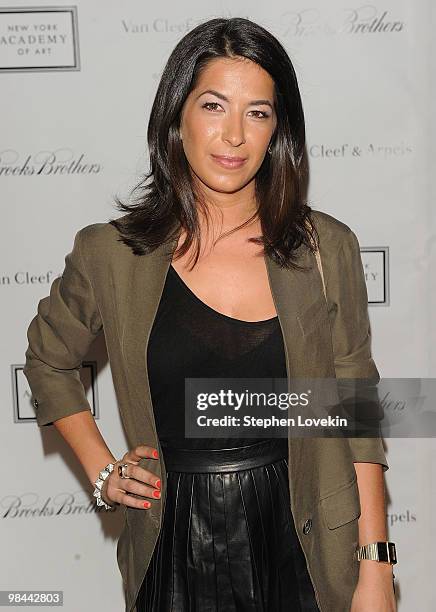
x=223 y=97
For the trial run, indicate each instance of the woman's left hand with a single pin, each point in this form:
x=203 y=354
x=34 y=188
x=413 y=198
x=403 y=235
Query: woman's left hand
x=374 y=591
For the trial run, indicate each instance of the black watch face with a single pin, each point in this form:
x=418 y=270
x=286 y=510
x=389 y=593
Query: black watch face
x=387 y=554
x=392 y=552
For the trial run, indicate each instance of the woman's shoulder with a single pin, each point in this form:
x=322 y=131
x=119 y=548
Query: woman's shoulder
x=329 y=224
x=332 y=231
x=100 y=243
x=100 y=234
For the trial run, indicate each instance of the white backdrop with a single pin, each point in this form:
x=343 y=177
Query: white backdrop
x=73 y=136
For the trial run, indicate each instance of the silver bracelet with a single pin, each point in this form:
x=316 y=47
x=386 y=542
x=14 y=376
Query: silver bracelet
x=99 y=483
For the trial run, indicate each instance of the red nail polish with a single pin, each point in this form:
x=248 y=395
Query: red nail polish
x=147 y=504
x=158 y=484
x=156 y=494
x=155 y=454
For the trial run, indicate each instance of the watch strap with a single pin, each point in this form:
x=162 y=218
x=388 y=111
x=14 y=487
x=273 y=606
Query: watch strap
x=378 y=551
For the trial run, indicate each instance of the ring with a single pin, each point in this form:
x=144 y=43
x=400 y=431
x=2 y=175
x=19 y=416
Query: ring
x=122 y=470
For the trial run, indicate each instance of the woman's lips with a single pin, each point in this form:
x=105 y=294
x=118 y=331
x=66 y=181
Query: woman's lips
x=228 y=162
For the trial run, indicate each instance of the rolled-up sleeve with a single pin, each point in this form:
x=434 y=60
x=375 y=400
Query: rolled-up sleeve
x=59 y=336
x=351 y=335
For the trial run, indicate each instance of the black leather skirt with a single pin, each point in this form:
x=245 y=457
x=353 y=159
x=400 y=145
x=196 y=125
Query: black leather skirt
x=228 y=540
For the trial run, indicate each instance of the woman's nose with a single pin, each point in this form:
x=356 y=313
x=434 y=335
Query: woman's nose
x=233 y=131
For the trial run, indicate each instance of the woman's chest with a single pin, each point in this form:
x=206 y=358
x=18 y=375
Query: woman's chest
x=232 y=280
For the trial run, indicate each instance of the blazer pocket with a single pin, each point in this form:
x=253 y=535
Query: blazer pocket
x=313 y=316
x=342 y=506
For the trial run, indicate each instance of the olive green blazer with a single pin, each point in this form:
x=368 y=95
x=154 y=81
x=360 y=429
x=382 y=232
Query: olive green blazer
x=105 y=287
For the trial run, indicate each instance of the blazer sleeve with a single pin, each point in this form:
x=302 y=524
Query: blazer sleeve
x=59 y=336
x=351 y=336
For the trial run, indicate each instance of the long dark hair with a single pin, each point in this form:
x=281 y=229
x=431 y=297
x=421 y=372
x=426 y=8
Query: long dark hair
x=166 y=199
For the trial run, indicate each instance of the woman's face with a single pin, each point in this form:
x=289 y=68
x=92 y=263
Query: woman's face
x=230 y=113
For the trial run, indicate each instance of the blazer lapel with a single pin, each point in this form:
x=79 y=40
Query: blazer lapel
x=300 y=305
x=145 y=285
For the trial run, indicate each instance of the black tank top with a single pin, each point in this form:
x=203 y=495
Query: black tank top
x=190 y=339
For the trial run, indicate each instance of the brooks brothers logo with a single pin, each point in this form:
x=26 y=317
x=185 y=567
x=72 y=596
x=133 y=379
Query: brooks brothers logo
x=60 y=162
x=38 y=39
x=24 y=411
x=32 y=505
x=374 y=150
x=376 y=266
x=408 y=407
x=360 y=21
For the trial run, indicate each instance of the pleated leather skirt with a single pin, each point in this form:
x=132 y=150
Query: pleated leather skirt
x=228 y=540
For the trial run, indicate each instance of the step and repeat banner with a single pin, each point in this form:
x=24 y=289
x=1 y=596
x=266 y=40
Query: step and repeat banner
x=77 y=85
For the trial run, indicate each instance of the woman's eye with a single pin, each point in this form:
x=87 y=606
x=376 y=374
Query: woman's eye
x=207 y=104
x=260 y=115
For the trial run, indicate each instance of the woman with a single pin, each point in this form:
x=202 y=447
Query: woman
x=211 y=273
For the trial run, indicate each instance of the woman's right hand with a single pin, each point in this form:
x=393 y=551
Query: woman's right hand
x=141 y=482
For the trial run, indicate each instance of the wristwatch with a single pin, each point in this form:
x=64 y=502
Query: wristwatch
x=383 y=552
